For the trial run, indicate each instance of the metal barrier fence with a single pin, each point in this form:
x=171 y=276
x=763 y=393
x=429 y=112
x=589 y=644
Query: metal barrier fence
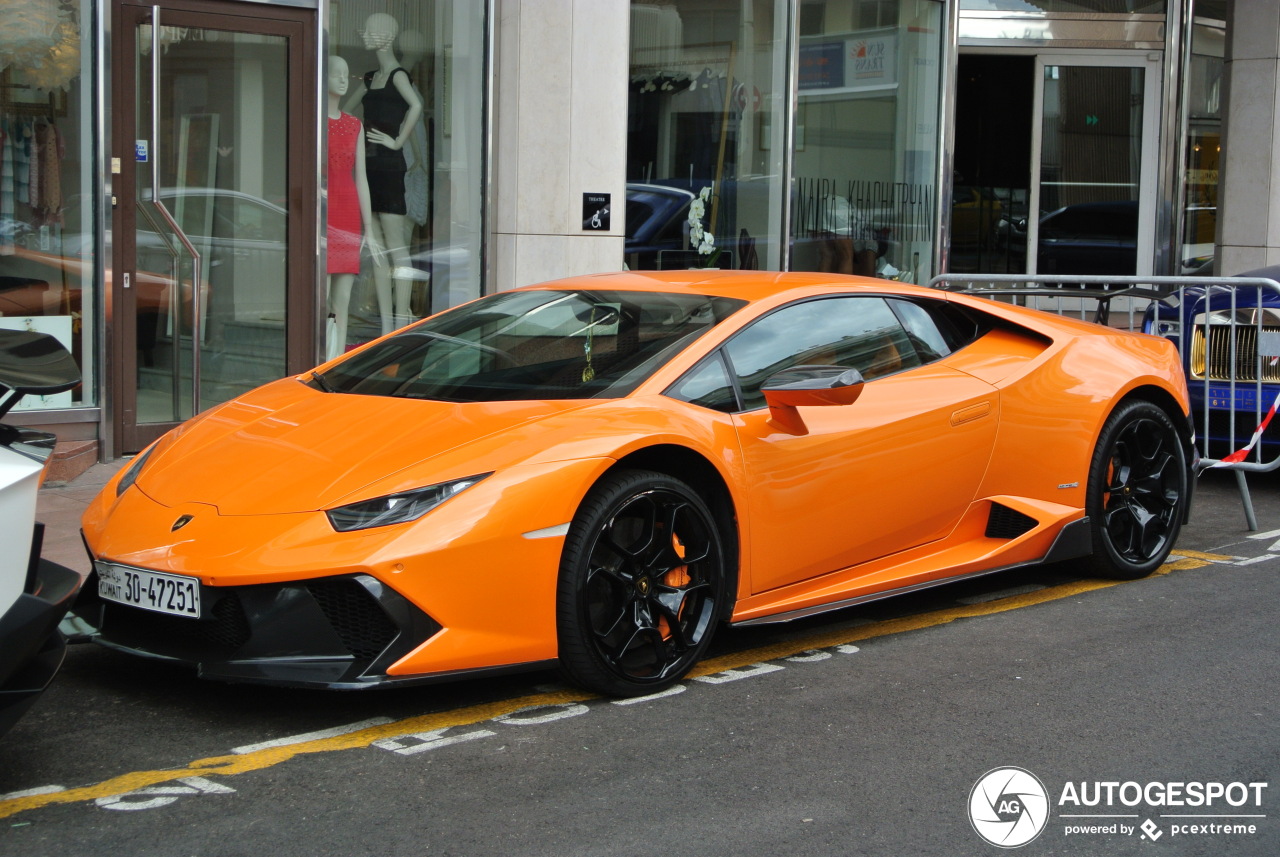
x=1227 y=330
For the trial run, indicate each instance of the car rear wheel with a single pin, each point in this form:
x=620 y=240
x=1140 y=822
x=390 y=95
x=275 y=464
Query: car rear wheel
x=1137 y=492
x=642 y=582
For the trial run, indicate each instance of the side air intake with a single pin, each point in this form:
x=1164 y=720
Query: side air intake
x=1006 y=523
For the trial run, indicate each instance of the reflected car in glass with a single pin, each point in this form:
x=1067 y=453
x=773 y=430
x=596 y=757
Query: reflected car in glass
x=1086 y=238
x=656 y=227
x=599 y=471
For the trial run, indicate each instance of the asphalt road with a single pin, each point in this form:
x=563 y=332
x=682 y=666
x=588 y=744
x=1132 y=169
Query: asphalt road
x=863 y=732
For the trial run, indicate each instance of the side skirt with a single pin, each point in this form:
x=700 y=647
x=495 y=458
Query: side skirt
x=1074 y=540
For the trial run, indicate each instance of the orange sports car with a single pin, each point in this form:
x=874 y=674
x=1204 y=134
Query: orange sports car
x=601 y=470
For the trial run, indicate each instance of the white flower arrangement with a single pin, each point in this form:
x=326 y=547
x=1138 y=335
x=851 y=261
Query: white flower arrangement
x=701 y=239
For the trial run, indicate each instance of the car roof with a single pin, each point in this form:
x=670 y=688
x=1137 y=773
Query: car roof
x=640 y=189
x=743 y=285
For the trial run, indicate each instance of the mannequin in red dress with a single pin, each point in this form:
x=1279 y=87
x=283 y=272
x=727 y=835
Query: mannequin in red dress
x=350 y=223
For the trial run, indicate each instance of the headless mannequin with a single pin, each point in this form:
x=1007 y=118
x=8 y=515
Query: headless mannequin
x=340 y=283
x=395 y=284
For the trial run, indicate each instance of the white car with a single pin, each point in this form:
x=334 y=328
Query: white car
x=34 y=593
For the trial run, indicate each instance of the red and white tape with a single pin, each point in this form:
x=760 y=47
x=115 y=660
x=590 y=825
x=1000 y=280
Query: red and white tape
x=1241 y=454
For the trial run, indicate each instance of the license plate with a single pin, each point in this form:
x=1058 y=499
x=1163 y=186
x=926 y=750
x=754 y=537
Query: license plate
x=151 y=590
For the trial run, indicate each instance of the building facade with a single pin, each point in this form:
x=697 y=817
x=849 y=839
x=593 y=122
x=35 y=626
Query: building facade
x=198 y=196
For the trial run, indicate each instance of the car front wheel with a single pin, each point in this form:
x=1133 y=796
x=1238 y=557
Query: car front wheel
x=642 y=582
x=1137 y=492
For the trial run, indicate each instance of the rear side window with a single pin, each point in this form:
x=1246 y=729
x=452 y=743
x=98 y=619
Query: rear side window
x=937 y=328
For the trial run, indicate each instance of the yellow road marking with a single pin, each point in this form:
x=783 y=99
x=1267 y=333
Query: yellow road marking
x=232 y=765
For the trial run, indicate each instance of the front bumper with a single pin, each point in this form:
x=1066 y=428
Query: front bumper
x=31 y=646
x=339 y=632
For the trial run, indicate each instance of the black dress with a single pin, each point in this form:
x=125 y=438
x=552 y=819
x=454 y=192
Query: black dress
x=385 y=110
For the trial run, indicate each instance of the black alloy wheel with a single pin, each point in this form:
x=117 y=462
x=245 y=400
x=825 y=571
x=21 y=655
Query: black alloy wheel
x=1137 y=492
x=642 y=583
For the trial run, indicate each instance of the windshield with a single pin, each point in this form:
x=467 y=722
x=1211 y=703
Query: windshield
x=533 y=345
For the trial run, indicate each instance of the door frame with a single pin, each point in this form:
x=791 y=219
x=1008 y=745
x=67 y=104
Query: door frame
x=1148 y=178
x=300 y=26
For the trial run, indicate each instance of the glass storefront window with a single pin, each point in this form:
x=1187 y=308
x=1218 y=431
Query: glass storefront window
x=47 y=184
x=405 y=168
x=705 y=135
x=866 y=139
x=1105 y=7
x=1204 y=145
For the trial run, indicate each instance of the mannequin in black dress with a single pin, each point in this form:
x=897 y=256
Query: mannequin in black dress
x=391 y=110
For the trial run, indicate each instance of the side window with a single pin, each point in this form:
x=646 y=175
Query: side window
x=937 y=328
x=922 y=331
x=707 y=385
x=859 y=332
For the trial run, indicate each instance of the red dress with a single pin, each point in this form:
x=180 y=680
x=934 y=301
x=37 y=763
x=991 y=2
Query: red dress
x=344 y=229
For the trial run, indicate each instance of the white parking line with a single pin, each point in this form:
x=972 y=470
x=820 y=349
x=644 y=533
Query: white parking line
x=312 y=736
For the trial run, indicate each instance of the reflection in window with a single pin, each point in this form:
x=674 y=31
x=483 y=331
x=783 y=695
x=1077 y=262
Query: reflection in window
x=409 y=82
x=1204 y=144
x=859 y=332
x=707 y=385
x=533 y=344
x=704 y=134
x=866 y=139
x=1106 y=7
x=47 y=252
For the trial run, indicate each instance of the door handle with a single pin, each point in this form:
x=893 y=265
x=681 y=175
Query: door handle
x=970 y=413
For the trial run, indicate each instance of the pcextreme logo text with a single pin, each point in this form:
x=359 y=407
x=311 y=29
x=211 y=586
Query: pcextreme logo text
x=1009 y=807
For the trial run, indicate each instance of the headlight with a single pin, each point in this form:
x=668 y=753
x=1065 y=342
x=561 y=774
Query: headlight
x=131 y=475
x=1171 y=328
x=397 y=508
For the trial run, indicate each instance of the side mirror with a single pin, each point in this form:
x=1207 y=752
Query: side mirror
x=33 y=363
x=809 y=386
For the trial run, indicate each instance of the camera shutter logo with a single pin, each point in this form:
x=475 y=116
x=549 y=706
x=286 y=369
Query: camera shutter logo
x=1008 y=807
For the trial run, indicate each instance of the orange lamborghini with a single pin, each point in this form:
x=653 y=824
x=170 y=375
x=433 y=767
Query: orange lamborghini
x=599 y=471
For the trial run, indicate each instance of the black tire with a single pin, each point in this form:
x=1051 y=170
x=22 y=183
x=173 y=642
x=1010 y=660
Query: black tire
x=1137 y=493
x=642 y=584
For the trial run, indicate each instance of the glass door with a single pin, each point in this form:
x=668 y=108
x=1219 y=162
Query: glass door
x=1094 y=156
x=214 y=203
